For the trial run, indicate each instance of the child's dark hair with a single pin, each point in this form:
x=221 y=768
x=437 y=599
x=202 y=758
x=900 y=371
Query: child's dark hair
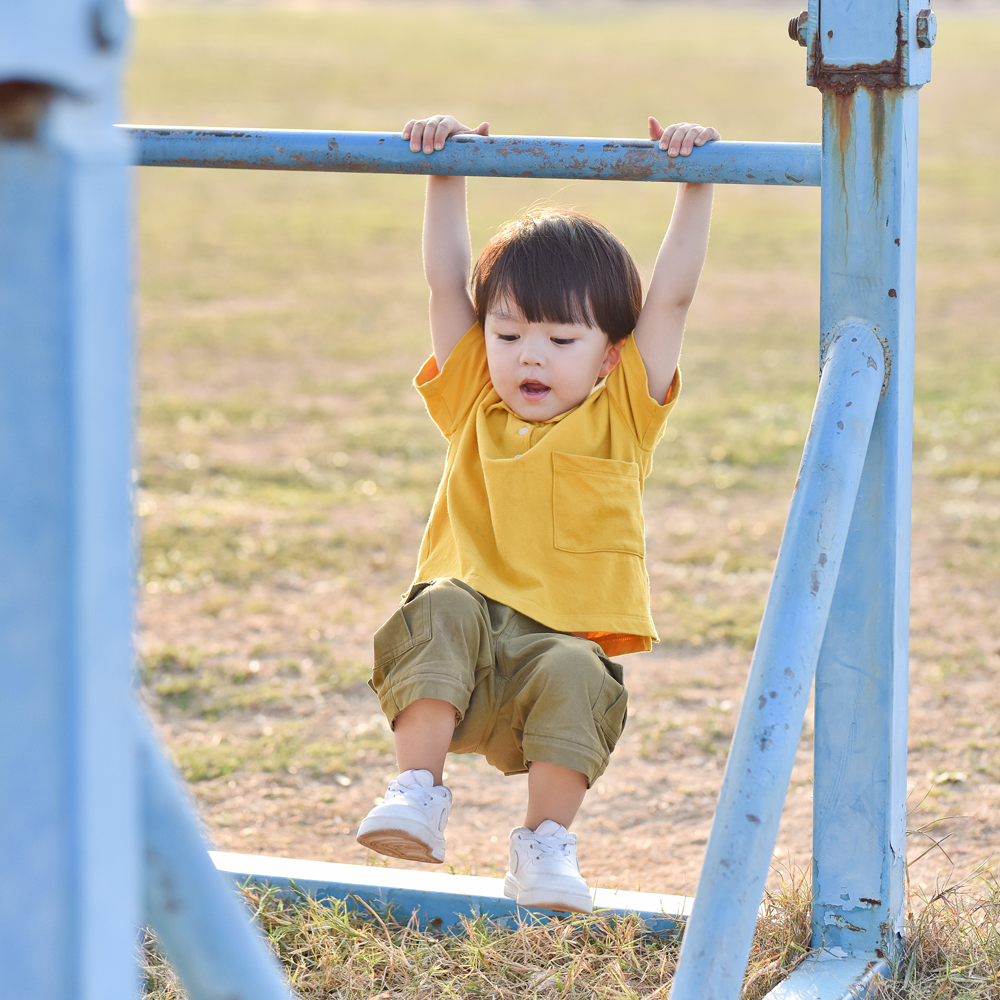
x=560 y=266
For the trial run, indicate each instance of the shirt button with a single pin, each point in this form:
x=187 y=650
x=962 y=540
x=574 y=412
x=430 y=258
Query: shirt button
x=523 y=430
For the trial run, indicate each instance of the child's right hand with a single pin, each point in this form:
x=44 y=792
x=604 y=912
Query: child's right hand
x=432 y=132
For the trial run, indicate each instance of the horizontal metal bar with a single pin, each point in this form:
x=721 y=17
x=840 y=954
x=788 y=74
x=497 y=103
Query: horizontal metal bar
x=439 y=900
x=205 y=931
x=795 y=164
x=721 y=926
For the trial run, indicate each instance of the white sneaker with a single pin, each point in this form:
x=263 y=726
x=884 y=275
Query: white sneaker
x=410 y=822
x=544 y=870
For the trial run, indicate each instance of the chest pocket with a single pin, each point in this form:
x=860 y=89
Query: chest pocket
x=596 y=505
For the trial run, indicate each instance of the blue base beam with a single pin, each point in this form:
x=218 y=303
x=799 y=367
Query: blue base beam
x=832 y=976
x=440 y=901
x=795 y=164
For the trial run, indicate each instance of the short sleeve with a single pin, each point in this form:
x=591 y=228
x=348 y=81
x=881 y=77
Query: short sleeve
x=451 y=393
x=628 y=389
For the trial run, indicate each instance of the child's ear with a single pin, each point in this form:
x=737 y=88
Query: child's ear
x=611 y=359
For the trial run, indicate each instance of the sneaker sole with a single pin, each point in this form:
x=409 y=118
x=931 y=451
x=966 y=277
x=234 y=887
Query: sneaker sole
x=547 y=899
x=396 y=843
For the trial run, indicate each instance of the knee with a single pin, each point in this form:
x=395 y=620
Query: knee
x=574 y=666
x=439 y=623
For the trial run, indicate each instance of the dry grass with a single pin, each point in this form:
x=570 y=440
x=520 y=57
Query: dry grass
x=954 y=943
x=953 y=951
x=330 y=953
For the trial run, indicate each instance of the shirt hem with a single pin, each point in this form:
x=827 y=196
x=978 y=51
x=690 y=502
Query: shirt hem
x=641 y=627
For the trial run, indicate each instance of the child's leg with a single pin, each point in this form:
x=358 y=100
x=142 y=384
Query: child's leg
x=423 y=731
x=554 y=792
x=428 y=658
x=567 y=711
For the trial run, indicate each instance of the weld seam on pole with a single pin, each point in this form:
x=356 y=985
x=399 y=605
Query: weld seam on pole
x=793 y=164
x=723 y=917
x=206 y=932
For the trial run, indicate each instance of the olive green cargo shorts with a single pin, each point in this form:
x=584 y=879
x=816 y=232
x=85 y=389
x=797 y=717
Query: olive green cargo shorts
x=521 y=691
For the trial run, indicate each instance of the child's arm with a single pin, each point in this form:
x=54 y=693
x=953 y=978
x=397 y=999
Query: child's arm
x=660 y=327
x=446 y=247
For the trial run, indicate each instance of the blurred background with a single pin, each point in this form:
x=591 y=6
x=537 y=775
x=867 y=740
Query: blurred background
x=287 y=466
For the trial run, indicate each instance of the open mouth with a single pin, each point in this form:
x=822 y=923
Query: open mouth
x=533 y=390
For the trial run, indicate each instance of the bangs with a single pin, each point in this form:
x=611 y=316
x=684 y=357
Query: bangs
x=559 y=266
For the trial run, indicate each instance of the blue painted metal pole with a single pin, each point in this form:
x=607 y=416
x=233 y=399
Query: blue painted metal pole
x=724 y=914
x=869 y=58
x=868 y=271
x=69 y=850
x=207 y=935
x=795 y=164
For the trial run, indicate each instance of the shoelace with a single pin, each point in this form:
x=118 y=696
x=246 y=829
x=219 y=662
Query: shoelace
x=424 y=795
x=547 y=845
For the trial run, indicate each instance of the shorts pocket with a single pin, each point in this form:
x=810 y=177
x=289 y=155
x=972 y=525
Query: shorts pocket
x=597 y=505
x=611 y=709
x=409 y=626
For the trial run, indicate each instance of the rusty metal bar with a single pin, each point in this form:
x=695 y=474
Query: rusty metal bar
x=792 y=164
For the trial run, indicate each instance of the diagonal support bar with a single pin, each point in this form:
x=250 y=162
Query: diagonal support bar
x=721 y=926
x=795 y=164
x=206 y=933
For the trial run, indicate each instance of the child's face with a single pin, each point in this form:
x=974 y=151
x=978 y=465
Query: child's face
x=543 y=369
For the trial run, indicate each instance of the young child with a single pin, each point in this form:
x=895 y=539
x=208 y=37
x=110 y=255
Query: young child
x=551 y=383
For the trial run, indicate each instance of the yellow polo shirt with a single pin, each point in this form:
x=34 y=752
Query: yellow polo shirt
x=546 y=517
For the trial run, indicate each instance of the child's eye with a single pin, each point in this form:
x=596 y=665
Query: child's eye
x=562 y=341
x=507 y=338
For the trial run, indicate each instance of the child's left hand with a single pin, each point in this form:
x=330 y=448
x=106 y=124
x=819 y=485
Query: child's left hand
x=681 y=138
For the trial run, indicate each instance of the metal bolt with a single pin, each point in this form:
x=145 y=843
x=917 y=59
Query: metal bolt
x=109 y=23
x=926 y=28
x=797 y=27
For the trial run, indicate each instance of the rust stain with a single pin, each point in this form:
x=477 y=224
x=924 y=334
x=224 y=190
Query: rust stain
x=23 y=104
x=878 y=137
x=844 y=115
x=846 y=79
x=333 y=145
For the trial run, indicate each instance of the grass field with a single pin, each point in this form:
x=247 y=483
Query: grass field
x=287 y=466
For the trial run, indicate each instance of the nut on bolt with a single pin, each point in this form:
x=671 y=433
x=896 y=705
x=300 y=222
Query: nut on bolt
x=926 y=28
x=797 y=27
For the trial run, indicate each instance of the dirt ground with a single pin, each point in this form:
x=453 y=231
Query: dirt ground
x=287 y=466
x=646 y=823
